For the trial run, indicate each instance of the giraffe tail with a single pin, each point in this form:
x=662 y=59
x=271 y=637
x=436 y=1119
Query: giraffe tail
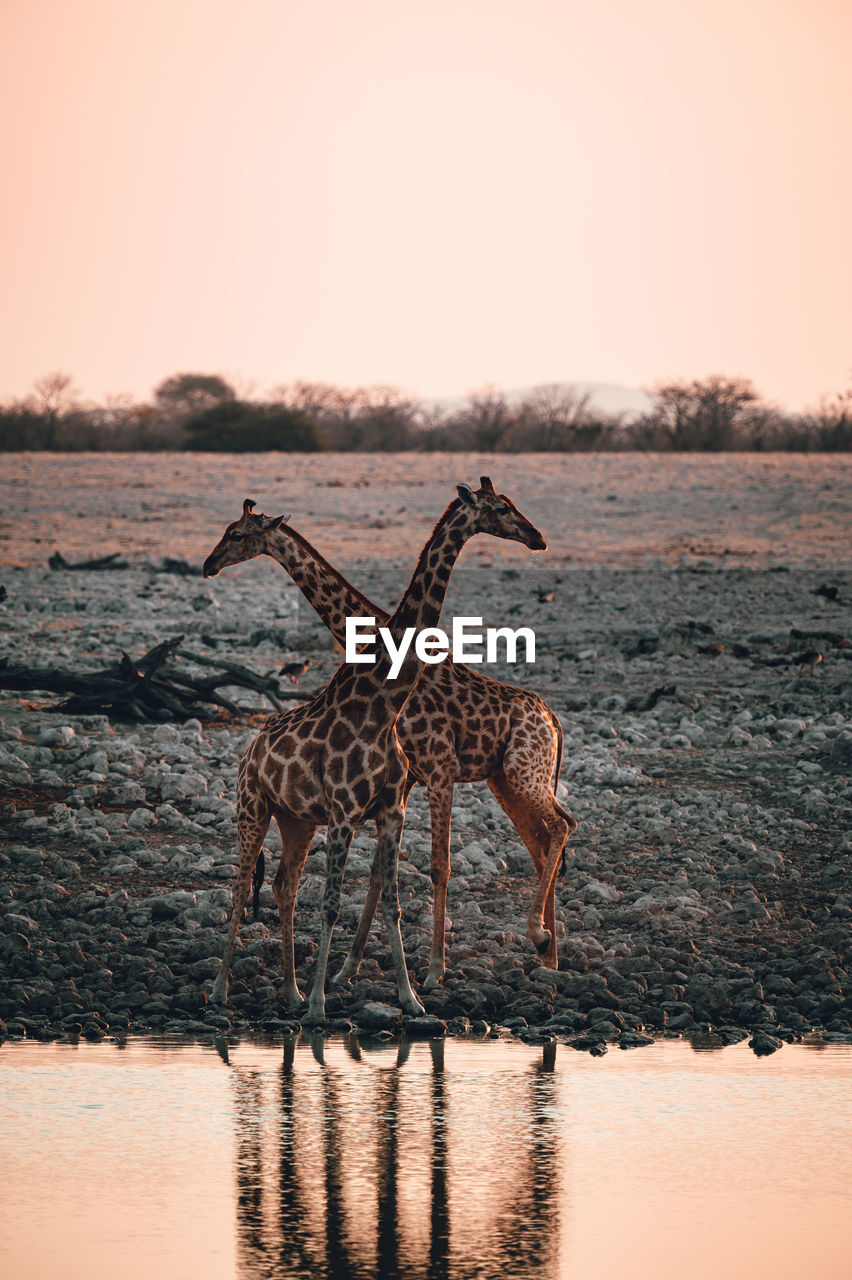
x=257 y=885
x=557 y=724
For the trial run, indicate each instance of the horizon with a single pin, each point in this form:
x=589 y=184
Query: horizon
x=441 y=202
x=607 y=398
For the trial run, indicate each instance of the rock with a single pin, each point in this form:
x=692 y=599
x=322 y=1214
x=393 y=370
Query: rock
x=589 y=1043
x=598 y=891
x=425 y=1027
x=169 y=905
x=634 y=1040
x=565 y=1021
x=13 y=923
x=183 y=786
x=374 y=1016
x=141 y=820
x=763 y=1044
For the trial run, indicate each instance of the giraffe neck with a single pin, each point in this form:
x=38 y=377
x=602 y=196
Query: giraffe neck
x=422 y=603
x=327 y=591
x=334 y=599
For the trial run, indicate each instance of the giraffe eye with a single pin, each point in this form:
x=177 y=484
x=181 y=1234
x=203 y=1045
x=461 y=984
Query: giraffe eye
x=236 y=537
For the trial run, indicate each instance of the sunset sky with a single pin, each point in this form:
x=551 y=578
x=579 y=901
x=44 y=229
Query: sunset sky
x=436 y=196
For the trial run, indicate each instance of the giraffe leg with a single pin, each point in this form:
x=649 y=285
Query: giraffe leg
x=253 y=817
x=544 y=828
x=561 y=826
x=296 y=839
x=353 y=960
x=389 y=825
x=440 y=817
x=339 y=839
x=535 y=837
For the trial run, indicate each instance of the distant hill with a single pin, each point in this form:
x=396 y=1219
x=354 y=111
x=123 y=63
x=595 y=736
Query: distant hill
x=613 y=398
x=609 y=397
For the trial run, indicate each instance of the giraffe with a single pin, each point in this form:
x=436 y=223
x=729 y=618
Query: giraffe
x=337 y=760
x=457 y=726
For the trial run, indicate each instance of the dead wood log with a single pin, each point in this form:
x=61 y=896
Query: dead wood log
x=152 y=688
x=180 y=567
x=242 y=676
x=58 y=561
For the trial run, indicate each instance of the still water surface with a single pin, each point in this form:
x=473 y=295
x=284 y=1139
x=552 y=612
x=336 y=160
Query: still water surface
x=450 y=1159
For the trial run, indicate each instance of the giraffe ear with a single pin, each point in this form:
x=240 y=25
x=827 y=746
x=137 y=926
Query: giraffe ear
x=248 y=506
x=274 y=522
x=485 y=482
x=465 y=493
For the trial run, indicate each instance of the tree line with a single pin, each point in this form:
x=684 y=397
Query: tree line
x=205 y=412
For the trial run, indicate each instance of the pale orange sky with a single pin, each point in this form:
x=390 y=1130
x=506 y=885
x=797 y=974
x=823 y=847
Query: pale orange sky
x=437 y=196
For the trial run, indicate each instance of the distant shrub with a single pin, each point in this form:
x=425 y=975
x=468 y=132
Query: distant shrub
x=183 y=394
x=550 y=419
x=239 y=426
x=829 y=427
x=22 y=427
x=197 y=411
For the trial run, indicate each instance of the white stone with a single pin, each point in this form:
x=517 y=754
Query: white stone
x=601 y=891
x=166 y=735
x=738 y=737
x=141 y=820
x=56 y=736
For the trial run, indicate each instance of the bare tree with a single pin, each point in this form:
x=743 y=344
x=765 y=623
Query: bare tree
x=317 y=399
x=361 y=418
x=384 y=419
x=710 y=413
x=829 y=425
x=54 y=396
x=555 y=418
x=483 y=421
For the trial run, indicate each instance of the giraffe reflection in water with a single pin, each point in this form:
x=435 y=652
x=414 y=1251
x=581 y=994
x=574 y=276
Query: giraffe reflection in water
x=364 y=1163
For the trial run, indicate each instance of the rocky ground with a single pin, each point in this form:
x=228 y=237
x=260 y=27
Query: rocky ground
x=707 y=887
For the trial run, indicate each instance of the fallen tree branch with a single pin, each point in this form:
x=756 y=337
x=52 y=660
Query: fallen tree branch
x=242 y=676
x=58 y=561
x=180 y=567
x=150 y=689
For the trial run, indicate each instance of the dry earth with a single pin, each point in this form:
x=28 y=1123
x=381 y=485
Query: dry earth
x=707 y=885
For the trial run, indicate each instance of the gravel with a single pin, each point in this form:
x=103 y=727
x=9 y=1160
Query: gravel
x=707 y=889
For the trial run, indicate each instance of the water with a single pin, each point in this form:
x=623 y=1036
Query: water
x=453 y=1160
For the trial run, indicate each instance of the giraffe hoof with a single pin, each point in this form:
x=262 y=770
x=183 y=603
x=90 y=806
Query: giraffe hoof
x=432 y=980
x=341 y=979
x=218 y=996
x=543 y=946
x=313 y=1017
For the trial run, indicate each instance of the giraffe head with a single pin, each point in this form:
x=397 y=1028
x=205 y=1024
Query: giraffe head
x=484 y=511
x=243 y=540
